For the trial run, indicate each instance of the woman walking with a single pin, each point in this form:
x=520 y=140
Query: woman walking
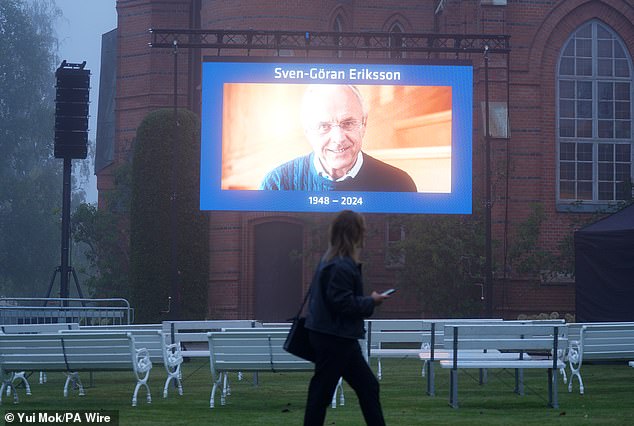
x=335 y=317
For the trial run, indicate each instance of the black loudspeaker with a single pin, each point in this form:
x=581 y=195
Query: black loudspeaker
x=71 y=110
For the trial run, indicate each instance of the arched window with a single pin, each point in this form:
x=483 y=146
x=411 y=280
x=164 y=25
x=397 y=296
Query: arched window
x=337 y=26
x=594 y=118
x=396 y=40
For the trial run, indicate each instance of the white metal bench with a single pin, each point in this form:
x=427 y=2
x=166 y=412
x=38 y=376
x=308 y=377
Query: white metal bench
x=73 y=353
x=393 y=338
x=226 y=386
x=597 y=342
x=433 y=348
x=510 y=338
x=408 y=338
x=35 y=329
x=159 y=350
x=255 y=351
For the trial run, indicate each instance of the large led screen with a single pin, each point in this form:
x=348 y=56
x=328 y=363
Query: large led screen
x=320 y=137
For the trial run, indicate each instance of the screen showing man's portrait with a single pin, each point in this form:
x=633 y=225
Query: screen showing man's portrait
x=299 y=136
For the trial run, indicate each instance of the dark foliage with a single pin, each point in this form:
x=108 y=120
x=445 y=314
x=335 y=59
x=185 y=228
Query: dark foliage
x=165 y=219
x=443 y=262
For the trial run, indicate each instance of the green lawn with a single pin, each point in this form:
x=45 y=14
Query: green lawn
x=279 y=398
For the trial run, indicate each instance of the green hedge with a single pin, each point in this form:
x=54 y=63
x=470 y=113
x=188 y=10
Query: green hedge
x=159 y=169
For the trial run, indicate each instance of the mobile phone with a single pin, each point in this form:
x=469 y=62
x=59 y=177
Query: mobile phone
x=388 y=292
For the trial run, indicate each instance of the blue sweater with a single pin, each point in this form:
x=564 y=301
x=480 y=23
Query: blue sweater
x=375 y=175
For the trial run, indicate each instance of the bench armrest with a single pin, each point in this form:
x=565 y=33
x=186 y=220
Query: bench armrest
x=142 y=362
x=173 y=355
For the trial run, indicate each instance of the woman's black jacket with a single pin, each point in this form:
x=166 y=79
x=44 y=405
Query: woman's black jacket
x=337 y=305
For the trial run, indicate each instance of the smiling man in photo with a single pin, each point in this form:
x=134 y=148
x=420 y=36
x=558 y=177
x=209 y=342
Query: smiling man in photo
x=334 y=119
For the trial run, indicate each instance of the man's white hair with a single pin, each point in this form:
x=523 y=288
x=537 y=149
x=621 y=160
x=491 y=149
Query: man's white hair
x=306 y=106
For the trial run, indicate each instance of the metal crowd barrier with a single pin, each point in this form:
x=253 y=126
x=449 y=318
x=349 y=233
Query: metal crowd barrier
x=53 y=310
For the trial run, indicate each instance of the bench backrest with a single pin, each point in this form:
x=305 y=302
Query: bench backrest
x=252 y=351
x=439 y=327
x=31 y=352
x=67 y=352
x=434 y=332
x=574 y=328
x=90 y=351
x=276 y=324
x=185 y=332
x=507 y=337
x=607 y=341
x=393 y=334
x=152 y=340
x=121 y=327
x=411 y=333
x=38 y=328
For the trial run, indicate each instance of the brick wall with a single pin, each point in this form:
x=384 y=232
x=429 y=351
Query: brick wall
x=523 y=168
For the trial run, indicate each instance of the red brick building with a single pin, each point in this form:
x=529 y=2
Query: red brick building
x=566 y=85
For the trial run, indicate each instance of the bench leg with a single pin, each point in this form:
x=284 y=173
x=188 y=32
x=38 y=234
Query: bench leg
x=339 y=389
x=552 y=389
x=342 y=400
x=73 y=378
x=174 y=375
x=431 y=386
x=564 y=378
x=575 y=360
x=483 y=376
x=453 y=389
x=142 y=379
x=575 y=373
x=226 y=388
x=27 y=387
x=519 y=381
x=136 y=392
x=7 y=384
x=10 y=389
x=21 y=376
x=213 y=392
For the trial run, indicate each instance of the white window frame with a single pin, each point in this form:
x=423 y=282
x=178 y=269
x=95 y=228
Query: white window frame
x=594 y=202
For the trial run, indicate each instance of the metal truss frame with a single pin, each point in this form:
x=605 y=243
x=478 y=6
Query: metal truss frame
x=354 y=42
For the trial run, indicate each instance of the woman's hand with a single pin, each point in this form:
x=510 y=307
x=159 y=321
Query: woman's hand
x=378 y=298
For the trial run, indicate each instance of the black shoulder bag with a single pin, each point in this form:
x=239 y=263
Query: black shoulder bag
x=297 y=339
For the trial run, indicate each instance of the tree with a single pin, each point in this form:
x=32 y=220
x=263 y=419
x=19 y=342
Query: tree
x=30 y=193
x=165 y=219
x=443 y=259
x=103 y=237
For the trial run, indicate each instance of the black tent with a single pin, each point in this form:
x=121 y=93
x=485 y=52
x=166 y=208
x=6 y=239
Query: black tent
x=604 y=269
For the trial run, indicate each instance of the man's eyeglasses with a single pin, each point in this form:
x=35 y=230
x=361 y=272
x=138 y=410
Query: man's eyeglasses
x=325 y=127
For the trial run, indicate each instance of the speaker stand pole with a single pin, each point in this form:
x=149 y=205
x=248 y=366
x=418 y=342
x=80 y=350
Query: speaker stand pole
x=64 y=269
x=50 y=286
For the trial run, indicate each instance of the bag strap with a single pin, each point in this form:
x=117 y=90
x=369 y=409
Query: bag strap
x=312 y=284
